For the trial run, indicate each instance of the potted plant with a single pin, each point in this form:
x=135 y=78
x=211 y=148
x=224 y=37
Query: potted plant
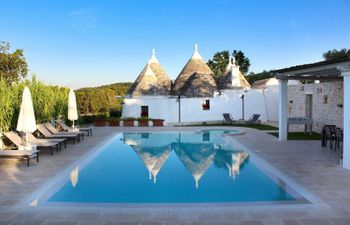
x=114 y=122
x=128 y=122
x=158 y=122
x=100 y=123
x=100 y=120
x=143 y=121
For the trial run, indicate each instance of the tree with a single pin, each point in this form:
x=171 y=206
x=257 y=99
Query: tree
x=221 y=59
x=336 y=54
x=102 y=99
x=219 y=63
x=251 y=77
x=13 y=66
x=242 y=61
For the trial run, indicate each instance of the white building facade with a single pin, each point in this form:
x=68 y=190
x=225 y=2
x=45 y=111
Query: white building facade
x=196 y=97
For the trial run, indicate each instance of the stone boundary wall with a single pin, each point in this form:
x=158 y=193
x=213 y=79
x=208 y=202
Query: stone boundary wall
x=327 y=105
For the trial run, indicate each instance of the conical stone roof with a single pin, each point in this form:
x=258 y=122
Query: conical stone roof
x=199 y=85
x=232 y=78
x=264 y=83
x=153 y=80
x=195 y=64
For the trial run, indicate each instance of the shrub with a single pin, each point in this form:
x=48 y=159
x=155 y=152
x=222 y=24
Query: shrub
x=87 y=119
x=143 y=119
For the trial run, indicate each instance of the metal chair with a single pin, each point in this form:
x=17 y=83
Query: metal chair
x=338 y=137
x=328 y=134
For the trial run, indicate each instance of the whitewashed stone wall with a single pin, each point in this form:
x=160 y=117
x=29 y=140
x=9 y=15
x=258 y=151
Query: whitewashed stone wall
x=327 y=100
x=264 y=103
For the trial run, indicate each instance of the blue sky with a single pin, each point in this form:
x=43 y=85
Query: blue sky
x=79 y=43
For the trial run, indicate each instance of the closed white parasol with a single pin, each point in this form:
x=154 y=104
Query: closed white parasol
x=72 y=107
x=26 y=120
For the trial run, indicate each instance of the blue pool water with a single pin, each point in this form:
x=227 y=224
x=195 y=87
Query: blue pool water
x=169 y=167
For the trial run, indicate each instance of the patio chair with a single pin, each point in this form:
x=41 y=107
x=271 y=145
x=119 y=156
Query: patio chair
x=338 y=137
x=20 y=154
x=61 y=141
x=254 y=119
x=47 y=134
x=228 y=118
x=56 y=132
x=64 y=127
x=17 y=140
x=328 y=134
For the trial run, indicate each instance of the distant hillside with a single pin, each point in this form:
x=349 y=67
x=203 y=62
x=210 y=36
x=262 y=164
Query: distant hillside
x=120 y=88
x=102 y=99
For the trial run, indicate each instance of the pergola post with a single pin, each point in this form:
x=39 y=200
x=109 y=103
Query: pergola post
x=346 y=120
x=283 y=104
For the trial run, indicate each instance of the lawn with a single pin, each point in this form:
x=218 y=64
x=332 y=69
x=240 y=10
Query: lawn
x=300 y=136
x=255 y=126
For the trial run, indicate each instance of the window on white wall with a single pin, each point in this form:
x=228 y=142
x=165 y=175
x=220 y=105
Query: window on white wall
x=144 y=111
x=206 y=105
x=325 y=99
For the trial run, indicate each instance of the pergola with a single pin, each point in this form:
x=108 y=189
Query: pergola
x=324 y=71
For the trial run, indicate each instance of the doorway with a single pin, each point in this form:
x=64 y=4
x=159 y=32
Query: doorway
x=308 y=108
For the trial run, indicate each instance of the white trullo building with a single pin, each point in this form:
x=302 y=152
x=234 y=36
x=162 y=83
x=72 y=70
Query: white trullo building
x=196 y=97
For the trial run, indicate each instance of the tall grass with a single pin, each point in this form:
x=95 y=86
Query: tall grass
x=49 y=101
x=6 y=106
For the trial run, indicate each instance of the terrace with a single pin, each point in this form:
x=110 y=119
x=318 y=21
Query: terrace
x=332 y=70
x=314 y=170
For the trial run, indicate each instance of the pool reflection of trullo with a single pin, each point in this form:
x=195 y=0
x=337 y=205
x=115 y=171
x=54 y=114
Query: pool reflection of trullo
x=196 y=156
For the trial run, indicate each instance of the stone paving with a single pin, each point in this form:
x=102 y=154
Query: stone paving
x=305 y=163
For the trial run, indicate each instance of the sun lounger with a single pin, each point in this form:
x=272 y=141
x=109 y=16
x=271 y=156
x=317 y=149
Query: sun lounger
x=64 y=127
x=56 y=132
x=17 y=140
x=254 y=119
x=20 y=154
x=228 y=118
x=47 y=134
x=61 y=141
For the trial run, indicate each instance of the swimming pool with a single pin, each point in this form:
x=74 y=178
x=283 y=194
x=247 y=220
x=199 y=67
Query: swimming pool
x=169 y=167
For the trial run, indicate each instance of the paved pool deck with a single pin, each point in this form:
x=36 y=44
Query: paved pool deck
x=305 y=164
